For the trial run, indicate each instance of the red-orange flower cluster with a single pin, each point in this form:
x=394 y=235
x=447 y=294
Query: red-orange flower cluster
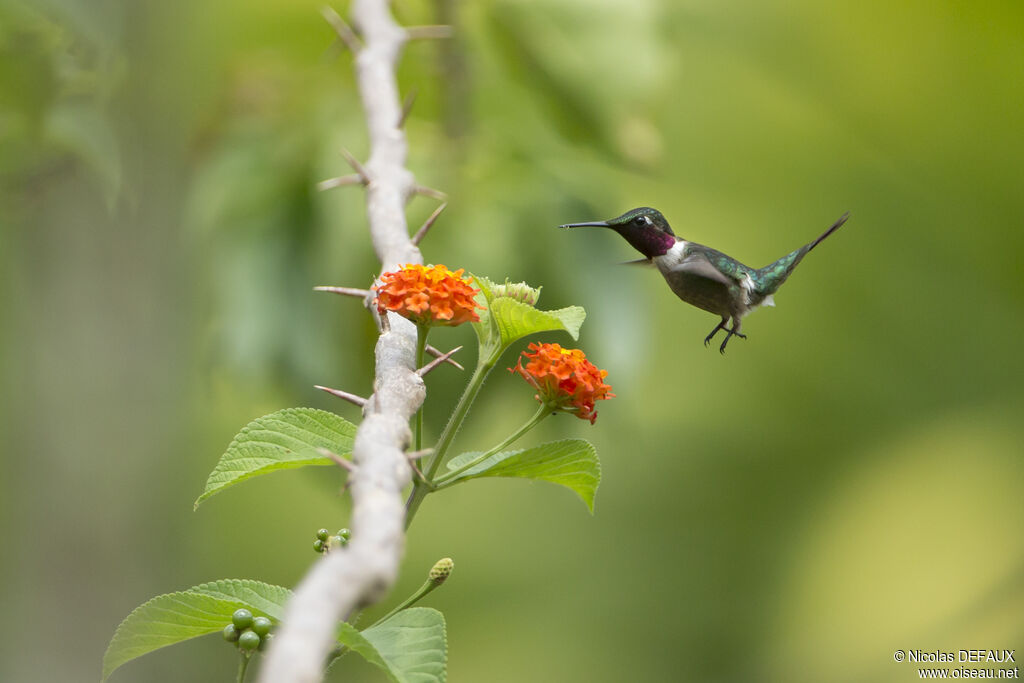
x=428 y=295
x=564 y=379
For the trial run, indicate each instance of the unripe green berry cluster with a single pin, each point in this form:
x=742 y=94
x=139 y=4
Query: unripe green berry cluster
x=249 y=633
x=325 y=542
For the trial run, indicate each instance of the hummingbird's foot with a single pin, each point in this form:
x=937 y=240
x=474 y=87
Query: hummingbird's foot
x=729 y=335
x=719 y=326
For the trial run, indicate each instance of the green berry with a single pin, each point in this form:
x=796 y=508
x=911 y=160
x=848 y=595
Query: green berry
x=318 y=545
x=250 y=640
x=345 y=534
x=261 y=626
x=337 y=542
x=230 y=633
x=322 y=534
x=242 y=619
x=265 y=641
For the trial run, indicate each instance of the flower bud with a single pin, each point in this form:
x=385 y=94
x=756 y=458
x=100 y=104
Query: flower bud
x=441 y=570
x=520 y=291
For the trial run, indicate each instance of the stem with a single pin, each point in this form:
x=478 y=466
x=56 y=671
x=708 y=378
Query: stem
x=242 y=666
x=446 y=478
x=427 y=587
x=421 y=345
x=421 y=488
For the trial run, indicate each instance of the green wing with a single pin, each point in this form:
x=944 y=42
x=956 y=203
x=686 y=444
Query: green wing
x=732 y=270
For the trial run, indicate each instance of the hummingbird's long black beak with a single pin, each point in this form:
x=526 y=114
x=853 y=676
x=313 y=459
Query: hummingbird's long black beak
x=591 y=224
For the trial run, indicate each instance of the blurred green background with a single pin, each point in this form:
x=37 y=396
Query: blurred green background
x=845 y=483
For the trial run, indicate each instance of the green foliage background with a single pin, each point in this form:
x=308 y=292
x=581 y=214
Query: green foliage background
x=845 y=483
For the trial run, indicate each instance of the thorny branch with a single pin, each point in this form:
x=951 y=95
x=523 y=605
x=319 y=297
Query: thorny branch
x=362 y=573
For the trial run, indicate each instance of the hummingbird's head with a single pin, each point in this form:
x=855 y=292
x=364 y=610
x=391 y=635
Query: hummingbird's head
x=644 y=228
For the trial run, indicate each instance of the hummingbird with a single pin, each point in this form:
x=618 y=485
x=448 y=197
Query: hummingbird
x=702 y=276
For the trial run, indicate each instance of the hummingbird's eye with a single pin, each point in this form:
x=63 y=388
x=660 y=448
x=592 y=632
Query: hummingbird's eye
x=641 y=220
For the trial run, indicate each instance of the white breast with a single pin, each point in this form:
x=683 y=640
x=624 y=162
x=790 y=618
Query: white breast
x=671 y=258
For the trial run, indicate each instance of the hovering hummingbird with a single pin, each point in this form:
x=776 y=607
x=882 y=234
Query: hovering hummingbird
x=702 y=276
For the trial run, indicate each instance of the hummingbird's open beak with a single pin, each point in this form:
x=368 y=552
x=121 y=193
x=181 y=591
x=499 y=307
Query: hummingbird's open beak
x=592 y=224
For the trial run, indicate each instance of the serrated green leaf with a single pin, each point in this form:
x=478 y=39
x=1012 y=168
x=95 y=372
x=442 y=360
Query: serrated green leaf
x=516 y=320
x=571 y=463
x=486 y=330
x=485 y=286
x=413 y=644
x=506 y=319
x=283 y=440
x=351 y=638
x=174 y=617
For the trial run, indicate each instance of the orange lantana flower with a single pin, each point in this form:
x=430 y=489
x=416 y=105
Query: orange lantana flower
x=428 y=295
x=564 y=379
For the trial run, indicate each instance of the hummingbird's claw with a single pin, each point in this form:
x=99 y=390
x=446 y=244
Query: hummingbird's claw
x=719 y=326
x=729 y=335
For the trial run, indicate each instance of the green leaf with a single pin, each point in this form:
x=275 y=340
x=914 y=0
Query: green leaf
x=486 y=287
x=412 y=644
x=571 y=463
x=174 y=617
x=351 y=638
x=283 y=440
x=506 y=319
x=485 y=328
x=516 y=320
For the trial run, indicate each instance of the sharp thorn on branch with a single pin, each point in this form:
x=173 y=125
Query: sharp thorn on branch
x=416 y=455
x=356 y=166
x=331 y=183
x=432 y=32
x=437 y=353
x=417 y=471
x=344 y=31
x=407 y=103
x=351 y=398
x=429 y=192
x=437 y=361
x=422 y=232
x=347 y=291
x=344 y=463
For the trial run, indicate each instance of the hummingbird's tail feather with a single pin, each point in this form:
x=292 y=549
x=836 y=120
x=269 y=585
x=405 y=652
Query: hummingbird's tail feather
x=835 y=226
x=770 y=278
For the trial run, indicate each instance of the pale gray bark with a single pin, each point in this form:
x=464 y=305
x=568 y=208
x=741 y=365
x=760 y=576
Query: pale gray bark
x=362 y=572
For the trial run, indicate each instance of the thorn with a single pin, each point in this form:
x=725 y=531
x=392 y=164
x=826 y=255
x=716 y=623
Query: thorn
x=347 y=291
x=410 y=99
x=437 y=361
x=422 y=232
x=344 y=31
x=356 y=166
x=416 y=469
x=351 y=398
x=436 y=353
x=331 y=183
x=416 y=455
x=431 y=32
x=344 y=463
x=429 y=192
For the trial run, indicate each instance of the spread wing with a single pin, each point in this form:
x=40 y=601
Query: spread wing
x=707 y=279
x=709 y=265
